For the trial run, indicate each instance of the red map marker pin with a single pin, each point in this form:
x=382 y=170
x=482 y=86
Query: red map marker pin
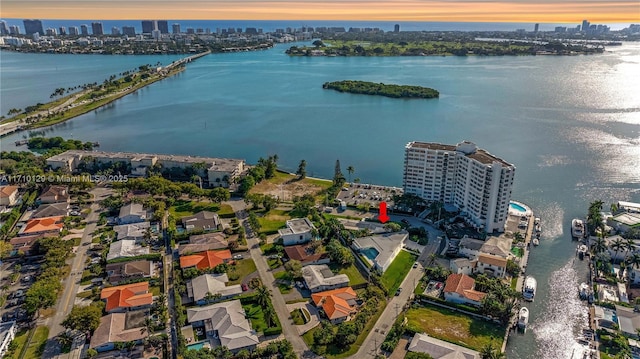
x=382 y=217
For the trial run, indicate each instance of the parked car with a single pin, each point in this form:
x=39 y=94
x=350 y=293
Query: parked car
x=398 y=291
x=415 y=265
x=237 y=256
x=245 y=287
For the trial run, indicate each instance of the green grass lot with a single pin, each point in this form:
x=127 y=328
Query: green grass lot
x=255 y=315
x=243 y=268
x=39 y=340
x=155 y=290
x=454 y=327
x=297 y=317
x=182 y=208
x=355 y=278
x=21 y=340
x=273 y=220
x=394 y=275
x=283 y=276
x=517 y=251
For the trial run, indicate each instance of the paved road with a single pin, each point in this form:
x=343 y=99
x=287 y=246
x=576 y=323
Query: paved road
x=279 y=304
x=65 y=304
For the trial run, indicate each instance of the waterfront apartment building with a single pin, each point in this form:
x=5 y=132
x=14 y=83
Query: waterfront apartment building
x=463 y=175
x=175 y=28
x=96 y=28
x=163 y=26
x=129 y=30
x=215 y=172
x=33 y=26
x=84 y=30
x=148 y=26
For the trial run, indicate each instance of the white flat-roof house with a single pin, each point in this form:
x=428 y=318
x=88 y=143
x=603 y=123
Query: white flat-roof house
x=380 y=250
x=475 y=181
x=298 y=231
x=132 y=213
x=439 y=349
x=319 y=278
x=215 y=284
x=624 y=221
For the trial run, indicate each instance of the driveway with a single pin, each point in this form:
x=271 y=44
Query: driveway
x=313 y=311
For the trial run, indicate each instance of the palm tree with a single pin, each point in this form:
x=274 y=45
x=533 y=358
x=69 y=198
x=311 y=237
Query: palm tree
x=267 y=313
x=594 y=218
x=634 y=260
x=617 y=245
x=491 y=352
x=600 y=245
x=350 y=170
x=629 y=247
x=262 y=295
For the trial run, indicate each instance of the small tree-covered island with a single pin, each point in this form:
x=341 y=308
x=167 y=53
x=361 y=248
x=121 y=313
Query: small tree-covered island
x=380 y=89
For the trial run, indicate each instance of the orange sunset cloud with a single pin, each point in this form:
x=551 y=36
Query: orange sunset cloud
x=403 y=10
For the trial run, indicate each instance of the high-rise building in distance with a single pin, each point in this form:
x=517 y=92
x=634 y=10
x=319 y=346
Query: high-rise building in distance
x=74 y=31
x=129 y=30
x=15 y=30
x=148 y=26
x=163 y=26
x=463 y=175
x=33 y=26
x=115 y=31
x=585 y=25
x=84 y=30
x=96 y=28
x=396 y=28
x=536 y=27
x=4 y=30
x=175 y=28
x=62 y=31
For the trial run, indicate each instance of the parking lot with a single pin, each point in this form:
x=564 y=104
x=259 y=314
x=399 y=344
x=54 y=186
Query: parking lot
x=16 y=287
x=356 y=193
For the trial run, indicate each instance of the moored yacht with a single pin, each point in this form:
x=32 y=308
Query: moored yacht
x=529 y=290
x=582 y=250
x=523 y=318
x=535 y=241
x=583 y=291
x=577 y=228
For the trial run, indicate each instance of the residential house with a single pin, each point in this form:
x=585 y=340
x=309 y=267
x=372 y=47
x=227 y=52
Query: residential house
x=225 y=321
x=7 y=333
x=459 y=288
x=298 y=231
x=492 y=265
x=461 y=266
x=199 y=288
x=497 y=246
x=118 y=272
x=126 y=248
x=55 y=194
x=205 y=260
x=634 y=275
x=628 y=320
x=339 y=305
x=8 y=195
x=42 y=226
x=320 y=278
x=127 y=297
x=24 y=245
x=622 y=252
x=134 y=231
x=51 y=210
x=116 y=328
x=203 y=242
x=132 y=213
x=624 y=221
x=305 y=254
x=470 y=247
x=203 y=220
x=439 y=349
x=380 y=250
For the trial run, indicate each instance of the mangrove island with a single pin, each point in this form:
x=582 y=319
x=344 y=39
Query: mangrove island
x=380 y=89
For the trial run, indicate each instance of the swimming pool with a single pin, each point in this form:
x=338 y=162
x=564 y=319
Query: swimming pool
x=370 y=253
x=195 y=346
x=517 y=207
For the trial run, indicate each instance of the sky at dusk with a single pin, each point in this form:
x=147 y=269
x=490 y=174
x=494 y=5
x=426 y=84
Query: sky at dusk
x=551 y=11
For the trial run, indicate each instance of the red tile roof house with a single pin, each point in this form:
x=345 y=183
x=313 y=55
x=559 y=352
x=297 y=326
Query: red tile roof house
x=338 y=304
x=127 y=297
x=42 y=226
x=459 y=289
x=303 y=253
x=205 y=260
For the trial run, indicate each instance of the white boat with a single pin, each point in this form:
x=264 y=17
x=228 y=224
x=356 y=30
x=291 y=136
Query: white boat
x=529 y=290
x=523 y=319
x=535 y=241
x=577 y=228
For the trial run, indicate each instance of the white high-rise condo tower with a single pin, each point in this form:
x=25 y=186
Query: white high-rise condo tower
x=475 y=181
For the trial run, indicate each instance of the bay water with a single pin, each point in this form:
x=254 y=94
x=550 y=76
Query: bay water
x=571 y=125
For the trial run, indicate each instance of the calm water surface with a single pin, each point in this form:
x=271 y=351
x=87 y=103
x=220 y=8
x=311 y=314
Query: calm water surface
x=571 y=125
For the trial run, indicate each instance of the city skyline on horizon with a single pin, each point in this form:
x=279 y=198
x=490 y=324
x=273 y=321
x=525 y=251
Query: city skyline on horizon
x=523 y=11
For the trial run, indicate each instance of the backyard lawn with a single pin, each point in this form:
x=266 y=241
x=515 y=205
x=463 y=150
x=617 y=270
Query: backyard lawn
x=394 y=275
x=256 y=316
x=182 y=208
x=355 y=278
x=454 y=327
x=273 y=220
x=242 y=268
x=21 y=340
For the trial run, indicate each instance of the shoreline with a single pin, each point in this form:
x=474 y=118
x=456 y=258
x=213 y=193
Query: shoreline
x=18 y=124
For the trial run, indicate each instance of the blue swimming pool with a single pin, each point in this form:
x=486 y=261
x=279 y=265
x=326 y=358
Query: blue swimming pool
x=517 y=207
x=370 y=253
x=195 y=346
